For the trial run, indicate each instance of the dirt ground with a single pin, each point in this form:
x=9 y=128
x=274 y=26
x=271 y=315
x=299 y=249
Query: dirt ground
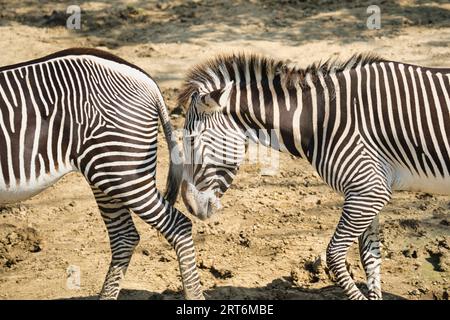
x=267 y=242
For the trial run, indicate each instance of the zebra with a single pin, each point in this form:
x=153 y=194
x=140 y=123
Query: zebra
x=368 y=126
x=89 y=111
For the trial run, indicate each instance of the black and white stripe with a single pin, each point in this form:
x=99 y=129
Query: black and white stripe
x=368 y=126
x=89 y=111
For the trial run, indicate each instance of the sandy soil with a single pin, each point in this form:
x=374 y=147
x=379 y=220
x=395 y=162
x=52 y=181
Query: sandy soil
x=268 y=240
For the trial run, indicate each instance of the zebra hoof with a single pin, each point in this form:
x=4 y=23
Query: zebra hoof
x=194 y=296
x=102 y=297
x=375 y=296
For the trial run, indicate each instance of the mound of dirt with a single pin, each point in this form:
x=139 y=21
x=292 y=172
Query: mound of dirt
x=311 y=270
x=439 y=252
x=16 y=244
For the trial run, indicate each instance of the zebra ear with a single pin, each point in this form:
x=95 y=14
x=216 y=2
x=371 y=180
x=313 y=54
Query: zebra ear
x=215 y=100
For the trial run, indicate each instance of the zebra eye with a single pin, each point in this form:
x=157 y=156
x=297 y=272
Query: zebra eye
x=203 y=99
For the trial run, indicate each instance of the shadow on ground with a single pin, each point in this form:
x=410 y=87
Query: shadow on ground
x=115 y=23
x=279 y=289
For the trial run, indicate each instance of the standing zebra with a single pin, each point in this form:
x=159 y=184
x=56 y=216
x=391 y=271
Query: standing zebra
x=89 y=111
x=368 y=126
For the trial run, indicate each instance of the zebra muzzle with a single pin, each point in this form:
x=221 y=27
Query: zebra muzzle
x=201 y=204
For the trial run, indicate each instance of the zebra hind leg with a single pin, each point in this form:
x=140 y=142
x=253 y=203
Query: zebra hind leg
x=358 y=213
x=144 y=200
x=177 y=229
x=123 y=238
x=369 y=250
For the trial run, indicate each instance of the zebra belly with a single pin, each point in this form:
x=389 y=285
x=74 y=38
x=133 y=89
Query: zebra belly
x=405 y=180
x=25 y=190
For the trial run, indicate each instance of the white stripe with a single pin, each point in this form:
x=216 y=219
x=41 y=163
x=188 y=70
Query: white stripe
x=9 y=106
x=444 y=90
x=429 y=122
x=10 y=88
x=400 y=109
x=345 y=134
x=69 y=107
x=262 y=106
x=51 y=124
x=408 y=103
x=337 y=121
x=237 y=78
x=38 y=85
x=380 y=111
x=325 y=119
x=419 y=122
x=37 y=129
x=440 y=127
x=313 y=93
x=296 y=121
x=214 y=77
x=60 y=160
x=9 y=161
x=249 y=98
x=23 y=127
x=410 y=120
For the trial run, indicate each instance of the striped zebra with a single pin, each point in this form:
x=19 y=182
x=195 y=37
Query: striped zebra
x=89 y=111
x=368 y=126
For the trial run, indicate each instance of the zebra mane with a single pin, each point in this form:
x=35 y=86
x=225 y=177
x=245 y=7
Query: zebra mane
x=292 y=74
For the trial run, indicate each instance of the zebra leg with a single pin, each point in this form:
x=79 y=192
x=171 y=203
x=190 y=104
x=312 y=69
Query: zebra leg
x=181 y=240
x=369 y=250
x=138 y=193
x=151 y=206
x=123 y=238
x=177 y=229
x=358 y=213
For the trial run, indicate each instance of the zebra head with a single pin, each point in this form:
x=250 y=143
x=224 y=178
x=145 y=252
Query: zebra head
x=214 y=147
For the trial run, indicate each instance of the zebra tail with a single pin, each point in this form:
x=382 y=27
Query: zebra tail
x=176 y=161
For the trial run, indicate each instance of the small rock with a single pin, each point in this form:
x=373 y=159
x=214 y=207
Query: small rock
x=414 y=292
x=163 y=5
x=424 y=196
x=410 y=224
x=164 y=259
x=221 y=273
x=445 y=222
x=244 y=240
x=411 y=253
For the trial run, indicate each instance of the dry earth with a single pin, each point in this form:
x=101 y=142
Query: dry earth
x=268 y=240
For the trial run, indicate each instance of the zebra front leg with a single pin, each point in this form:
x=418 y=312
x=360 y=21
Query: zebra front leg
x=369 y=250
x=358 y=214
x=123 y=238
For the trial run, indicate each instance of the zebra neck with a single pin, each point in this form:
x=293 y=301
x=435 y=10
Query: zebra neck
x=279 y=116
